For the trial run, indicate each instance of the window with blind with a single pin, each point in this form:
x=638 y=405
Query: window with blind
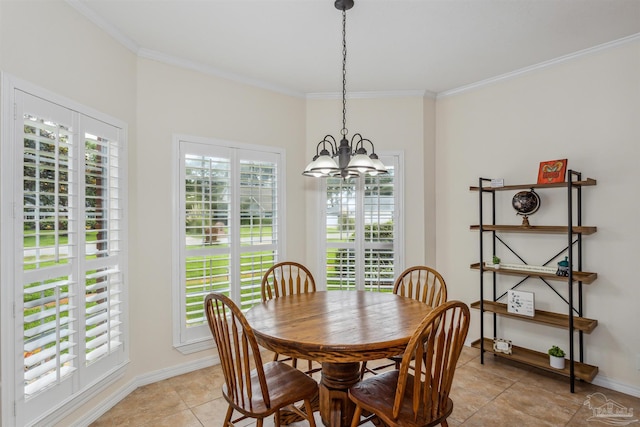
x=65 y=275
x=229 y=223
x=362 y=228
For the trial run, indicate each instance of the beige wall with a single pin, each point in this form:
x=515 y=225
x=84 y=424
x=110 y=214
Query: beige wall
x=586 y=110
x=49 y=44
x=428 y=169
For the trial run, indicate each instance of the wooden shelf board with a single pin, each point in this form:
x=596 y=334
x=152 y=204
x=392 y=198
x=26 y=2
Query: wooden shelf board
x=542 y=229
x=578 y=276
x=545 y=317
x=583 y=183
x=541 y=360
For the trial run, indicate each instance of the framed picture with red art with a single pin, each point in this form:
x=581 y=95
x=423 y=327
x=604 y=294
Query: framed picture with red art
x=552 y=171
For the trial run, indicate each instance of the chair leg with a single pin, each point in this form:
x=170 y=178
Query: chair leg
x=363 y=369
x=276 y=418
x=227 y=418
x=444 y=423
x=356 y=416
x=309 y=411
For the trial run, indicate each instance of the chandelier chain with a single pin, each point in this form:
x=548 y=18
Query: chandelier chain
x=344 y=72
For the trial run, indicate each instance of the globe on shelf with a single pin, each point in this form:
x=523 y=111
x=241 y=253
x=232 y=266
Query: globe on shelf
x=526 y=203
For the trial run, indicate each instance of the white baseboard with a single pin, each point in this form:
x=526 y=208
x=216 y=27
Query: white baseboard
x=614 y=385
x=140 y=381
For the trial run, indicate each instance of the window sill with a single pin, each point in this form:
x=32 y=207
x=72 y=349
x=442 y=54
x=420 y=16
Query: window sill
x=194 y=347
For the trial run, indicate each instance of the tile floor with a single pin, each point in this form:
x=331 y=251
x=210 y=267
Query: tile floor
x=494 y=394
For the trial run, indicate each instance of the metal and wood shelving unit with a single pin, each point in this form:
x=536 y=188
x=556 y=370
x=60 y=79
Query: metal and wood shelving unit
x=573 y=321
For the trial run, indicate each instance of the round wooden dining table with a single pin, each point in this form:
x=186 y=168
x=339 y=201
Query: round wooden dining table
x=339 y=329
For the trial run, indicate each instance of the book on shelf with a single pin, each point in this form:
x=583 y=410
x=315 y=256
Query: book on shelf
x=552 y=171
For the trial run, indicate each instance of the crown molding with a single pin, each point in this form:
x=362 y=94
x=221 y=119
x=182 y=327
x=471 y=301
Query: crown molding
x=197 y=66
x=546 y=64
x=169 y=59
x=104 y=25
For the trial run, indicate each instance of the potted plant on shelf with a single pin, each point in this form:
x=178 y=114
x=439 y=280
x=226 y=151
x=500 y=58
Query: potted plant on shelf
x=556 y=357
x=496 y=262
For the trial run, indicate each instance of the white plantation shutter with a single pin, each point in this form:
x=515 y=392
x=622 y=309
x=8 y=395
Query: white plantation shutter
x=207 y=208
x=340 y=228
x=228 y=223
x=49 y=332
x=362 y=225
x=258 y=225
x=68 y=268
x=103 y=226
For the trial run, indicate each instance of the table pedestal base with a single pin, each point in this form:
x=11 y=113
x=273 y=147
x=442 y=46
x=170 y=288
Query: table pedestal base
x=336 y=408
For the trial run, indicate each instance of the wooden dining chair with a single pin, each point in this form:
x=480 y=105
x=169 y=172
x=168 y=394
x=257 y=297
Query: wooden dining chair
x=399 y=398
x=286 y=278
x=265 y=389
x=423 y=284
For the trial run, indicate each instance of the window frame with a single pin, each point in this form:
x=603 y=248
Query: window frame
x=191 y=342
x=51 y=403
x=395 y=158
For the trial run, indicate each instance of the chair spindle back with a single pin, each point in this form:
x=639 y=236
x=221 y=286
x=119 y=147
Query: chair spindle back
x=238 y=350
x=423 y=284
x=286 y=278
x=434 y=350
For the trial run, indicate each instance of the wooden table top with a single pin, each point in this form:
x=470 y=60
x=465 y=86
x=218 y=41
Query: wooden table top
x=337 y=326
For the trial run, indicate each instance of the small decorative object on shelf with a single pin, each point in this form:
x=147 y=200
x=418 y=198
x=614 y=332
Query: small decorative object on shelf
x=496 y=262
x=526 y=203
x=502 y=346
x=497 y=183
x=552 y=171
x=520 y=302
x=527 y=267
x=563 y=268
x=556 y=357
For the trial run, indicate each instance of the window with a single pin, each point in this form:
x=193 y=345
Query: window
x=63 y=277
x=363 y=227
x=229 y=228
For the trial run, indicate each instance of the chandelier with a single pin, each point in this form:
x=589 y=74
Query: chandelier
x=352 y=158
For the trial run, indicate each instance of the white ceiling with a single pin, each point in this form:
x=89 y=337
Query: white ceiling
x=295 y=46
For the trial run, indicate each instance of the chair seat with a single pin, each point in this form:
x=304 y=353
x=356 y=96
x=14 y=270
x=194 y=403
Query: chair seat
x=286 y=386
x=377 y=394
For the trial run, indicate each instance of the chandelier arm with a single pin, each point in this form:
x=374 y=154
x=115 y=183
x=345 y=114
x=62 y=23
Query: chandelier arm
x=373 y=149
x=354 y=145
x=328 y=139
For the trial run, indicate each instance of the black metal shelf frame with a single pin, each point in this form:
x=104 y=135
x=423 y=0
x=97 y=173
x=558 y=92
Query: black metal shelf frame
x=574 y=259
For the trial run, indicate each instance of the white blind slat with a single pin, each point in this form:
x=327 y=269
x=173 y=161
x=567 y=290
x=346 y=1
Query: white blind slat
x=45 y=354
x=45 y=340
